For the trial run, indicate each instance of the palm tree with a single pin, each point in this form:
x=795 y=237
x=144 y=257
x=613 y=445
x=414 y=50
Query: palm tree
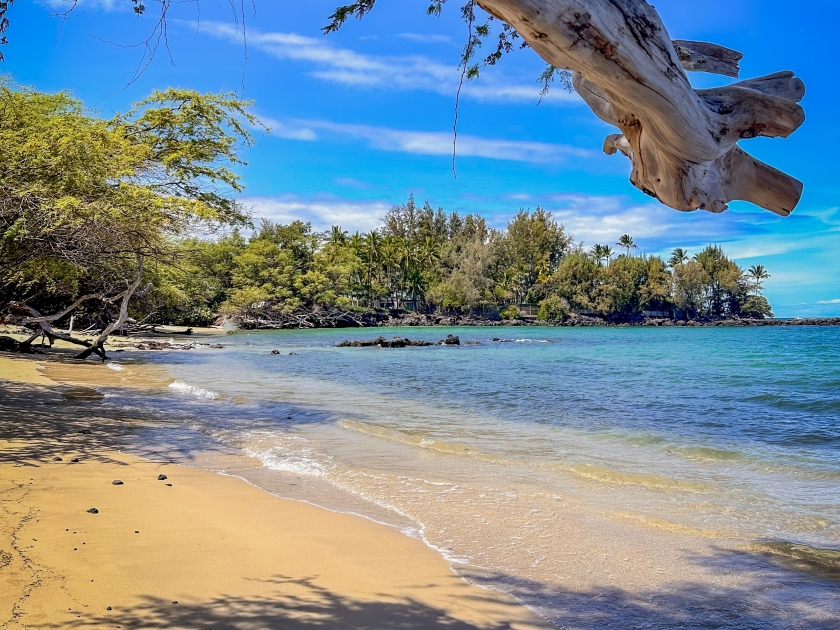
x=678 y=257
x=758 y=273
x=430 y=252
x=601 y=253
x=337 y=236
x=627 y=242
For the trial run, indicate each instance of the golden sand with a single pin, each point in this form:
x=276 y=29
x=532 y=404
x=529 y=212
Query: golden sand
x=207 y=551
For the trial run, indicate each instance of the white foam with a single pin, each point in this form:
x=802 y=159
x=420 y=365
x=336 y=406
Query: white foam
x=299 y=463
x=200 y=392
x=532 y=341
x=114 y=366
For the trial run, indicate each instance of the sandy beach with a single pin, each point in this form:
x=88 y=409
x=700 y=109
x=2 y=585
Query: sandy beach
x=194 y=550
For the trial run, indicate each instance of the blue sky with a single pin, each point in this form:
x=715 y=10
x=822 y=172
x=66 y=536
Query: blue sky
x=362 y=118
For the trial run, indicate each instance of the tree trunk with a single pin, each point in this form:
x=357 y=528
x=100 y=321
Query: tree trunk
x=98 y=346
x=682 y=142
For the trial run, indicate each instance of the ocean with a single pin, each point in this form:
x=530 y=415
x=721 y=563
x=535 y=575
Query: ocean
x=606 y=477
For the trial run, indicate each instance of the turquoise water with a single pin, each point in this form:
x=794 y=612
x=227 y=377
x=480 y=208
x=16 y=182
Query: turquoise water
x=673 y=469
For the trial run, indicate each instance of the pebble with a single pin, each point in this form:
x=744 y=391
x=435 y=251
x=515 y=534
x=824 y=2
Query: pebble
x=117 y=482
x=74 y=461
x=109 y=608
x=57 y=459
x=169 y=484
x=91 y=511
x=162 y=477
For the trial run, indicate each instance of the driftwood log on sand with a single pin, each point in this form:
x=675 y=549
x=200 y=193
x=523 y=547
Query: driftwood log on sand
x=682 y=142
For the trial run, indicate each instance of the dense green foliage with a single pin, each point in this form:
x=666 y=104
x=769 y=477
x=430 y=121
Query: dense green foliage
x=426 y=259
x=96 y=207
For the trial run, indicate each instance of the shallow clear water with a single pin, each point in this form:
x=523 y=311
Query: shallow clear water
x=620 y=474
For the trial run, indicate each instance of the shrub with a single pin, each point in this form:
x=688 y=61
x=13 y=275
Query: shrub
x=509 y=312
x=756 y=306
x=553 y=309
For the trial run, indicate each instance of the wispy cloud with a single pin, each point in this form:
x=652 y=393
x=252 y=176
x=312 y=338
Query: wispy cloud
x=432 y=142
x=829 y=301
x=323 y=212
x=426 y=38
x=413 y=72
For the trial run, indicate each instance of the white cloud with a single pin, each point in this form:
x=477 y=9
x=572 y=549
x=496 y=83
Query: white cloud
x=412 y=72
x=433 y=142
x=291 y=132
x=426 y=38
x=603 y=219
x=829 y=301
x=323 y=213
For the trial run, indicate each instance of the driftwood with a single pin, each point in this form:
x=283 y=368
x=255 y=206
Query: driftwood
x=682 y=142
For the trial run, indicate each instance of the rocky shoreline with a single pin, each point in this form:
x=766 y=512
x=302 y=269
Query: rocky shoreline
x=385 y=319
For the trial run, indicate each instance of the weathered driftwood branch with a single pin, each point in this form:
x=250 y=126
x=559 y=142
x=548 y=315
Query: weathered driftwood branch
x=98 y=345
x=681 y=142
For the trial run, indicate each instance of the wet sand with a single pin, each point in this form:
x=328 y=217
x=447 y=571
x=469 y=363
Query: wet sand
x=207 y=551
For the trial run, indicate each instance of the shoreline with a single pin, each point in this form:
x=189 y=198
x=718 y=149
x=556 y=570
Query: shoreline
x=232 y=555
x=402 y=319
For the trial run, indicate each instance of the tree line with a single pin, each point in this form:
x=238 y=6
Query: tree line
x=425 y=259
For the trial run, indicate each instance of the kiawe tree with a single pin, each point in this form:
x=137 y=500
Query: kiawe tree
x=88 y=204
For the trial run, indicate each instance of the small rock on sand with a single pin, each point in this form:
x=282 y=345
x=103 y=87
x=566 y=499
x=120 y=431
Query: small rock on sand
x=162 y=477
x=92 y=511
x=57 y=459
x=117 y=482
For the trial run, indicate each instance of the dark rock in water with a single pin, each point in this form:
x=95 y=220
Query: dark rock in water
x=451 y=340
x=74 y=461
x=275 y=352
x=93 y=511
x=57 y=459
x=117 y=482
x=293 y=354
x=162 y=477
x=381 y=342
x=85 y=431
x=216 y=346
x=472 y=343
x=496 y=339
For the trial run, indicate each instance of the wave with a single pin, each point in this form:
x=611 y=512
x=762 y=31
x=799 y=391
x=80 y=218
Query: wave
x=199 y=392
x=300 y=463
x=114 y=366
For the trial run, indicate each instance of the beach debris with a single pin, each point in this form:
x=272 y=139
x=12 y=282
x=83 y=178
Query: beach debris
x=162 y=477
x=90 y=511
x=109 y=608
x=117 y=482
x=169 y=484
x=451 y=340
x=57 y=459
x=275 y=352
x=381 y=342
x=136 y=531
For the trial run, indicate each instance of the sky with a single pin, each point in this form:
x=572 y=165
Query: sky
x=363 y=118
